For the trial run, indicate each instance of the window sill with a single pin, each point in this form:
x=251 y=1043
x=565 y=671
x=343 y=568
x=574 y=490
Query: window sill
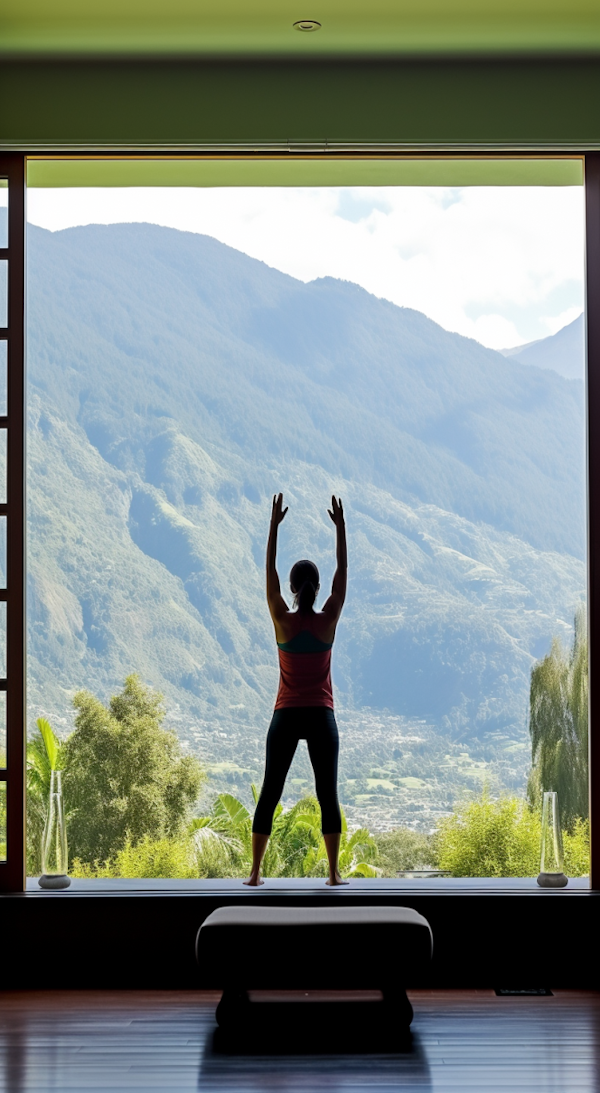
x=306 y=886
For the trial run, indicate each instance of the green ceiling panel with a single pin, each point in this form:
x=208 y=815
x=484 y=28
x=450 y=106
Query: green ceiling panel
x=266 y=27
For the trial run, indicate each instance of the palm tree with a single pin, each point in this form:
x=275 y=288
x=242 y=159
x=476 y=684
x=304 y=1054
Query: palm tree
x=358 y=853
x=558 y=725
x=223 y=840
x=296 y=847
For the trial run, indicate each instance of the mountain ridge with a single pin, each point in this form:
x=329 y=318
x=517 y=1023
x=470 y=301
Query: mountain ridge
x=563 y=352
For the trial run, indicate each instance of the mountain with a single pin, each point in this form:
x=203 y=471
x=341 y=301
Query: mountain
x=564 y=351
x=175 y=384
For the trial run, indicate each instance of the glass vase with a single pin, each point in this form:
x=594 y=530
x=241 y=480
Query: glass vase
x=552 y=858
x=54 y=840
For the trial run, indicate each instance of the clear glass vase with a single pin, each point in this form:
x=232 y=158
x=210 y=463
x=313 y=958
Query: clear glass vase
x=552 y=859
x=54 y=840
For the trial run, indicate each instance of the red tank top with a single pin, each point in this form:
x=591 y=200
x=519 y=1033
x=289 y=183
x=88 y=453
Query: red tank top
x=305 y=672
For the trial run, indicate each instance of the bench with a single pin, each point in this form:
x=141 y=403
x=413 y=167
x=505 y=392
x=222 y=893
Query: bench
x=251 y=949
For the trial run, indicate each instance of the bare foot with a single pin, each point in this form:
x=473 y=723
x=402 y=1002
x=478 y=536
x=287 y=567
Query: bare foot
x=337 y=880
x=254 y=882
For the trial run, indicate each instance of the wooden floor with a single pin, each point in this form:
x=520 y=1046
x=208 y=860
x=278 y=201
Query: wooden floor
x=469 y=1041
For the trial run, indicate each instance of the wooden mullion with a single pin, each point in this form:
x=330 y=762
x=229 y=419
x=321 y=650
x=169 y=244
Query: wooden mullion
x=592 y=208
x=12 y=872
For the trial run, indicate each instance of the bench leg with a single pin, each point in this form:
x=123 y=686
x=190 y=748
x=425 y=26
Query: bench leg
x=233 y=1007
x=397 y=1005
x=235 y=1011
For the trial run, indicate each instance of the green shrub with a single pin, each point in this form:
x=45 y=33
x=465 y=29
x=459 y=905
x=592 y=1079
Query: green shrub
x=97 y=870
x=402 y=849
x=170 y=858
x=577 y=849
x=486 y=838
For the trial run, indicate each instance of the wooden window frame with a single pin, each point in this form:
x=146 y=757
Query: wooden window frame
x=592 y=311
x=12 y=871
x=13 y=168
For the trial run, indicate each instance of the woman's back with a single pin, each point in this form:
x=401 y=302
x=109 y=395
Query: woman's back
x=304 y=661
x=319 y=624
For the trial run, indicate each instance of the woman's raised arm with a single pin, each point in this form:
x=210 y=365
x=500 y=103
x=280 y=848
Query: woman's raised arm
x=334 y=604
x=276 y=602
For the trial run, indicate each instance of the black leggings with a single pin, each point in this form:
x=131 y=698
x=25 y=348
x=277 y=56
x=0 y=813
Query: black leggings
x=316 y=725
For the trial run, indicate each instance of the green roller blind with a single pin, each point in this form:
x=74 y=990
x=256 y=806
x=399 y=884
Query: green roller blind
x=294 y=170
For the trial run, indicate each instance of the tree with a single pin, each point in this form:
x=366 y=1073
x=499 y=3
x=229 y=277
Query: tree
x=402 y=849
x=125 y=776
x=558 y=726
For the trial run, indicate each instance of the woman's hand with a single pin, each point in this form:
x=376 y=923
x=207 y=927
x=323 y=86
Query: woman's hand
x=336 y=512
x=278 y=512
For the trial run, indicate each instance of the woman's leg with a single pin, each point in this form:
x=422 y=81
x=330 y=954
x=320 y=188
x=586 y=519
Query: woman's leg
x=282 y=741
x=259 y=845
x=323 y=747
x=332 y=846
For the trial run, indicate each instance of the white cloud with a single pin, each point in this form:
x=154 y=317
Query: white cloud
x=554 y=323
x=496 y=331
x=503 y=265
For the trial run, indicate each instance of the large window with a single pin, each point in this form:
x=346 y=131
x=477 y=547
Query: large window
x=417 y=349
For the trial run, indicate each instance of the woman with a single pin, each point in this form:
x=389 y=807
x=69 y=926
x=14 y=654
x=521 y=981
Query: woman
x=304 y=706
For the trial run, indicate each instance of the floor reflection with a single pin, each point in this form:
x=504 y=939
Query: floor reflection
x=13 y=1048
x=311 y=1057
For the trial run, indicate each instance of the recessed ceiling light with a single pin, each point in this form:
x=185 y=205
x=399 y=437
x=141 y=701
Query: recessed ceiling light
x=307 y=24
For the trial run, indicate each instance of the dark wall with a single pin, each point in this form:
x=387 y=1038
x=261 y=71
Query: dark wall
x=146 y=941
x=418 y=103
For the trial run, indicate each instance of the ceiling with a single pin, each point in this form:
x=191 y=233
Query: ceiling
x=265 y=27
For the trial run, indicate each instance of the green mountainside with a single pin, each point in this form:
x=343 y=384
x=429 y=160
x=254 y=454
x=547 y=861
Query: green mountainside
x=174 y=385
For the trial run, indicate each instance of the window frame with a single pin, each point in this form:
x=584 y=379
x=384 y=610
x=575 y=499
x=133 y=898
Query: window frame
x=592 y=313
x=13 y=167
x=12 y=871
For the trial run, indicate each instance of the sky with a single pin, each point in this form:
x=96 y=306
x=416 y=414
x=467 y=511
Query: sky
x=504 y=265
